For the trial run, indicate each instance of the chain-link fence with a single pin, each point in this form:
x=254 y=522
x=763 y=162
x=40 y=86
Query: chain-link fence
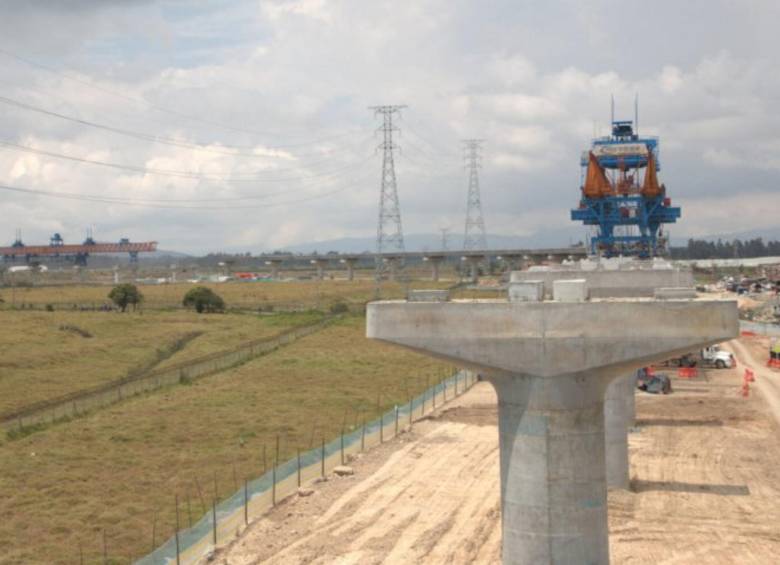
x=79 y=402
x=229 y=516
x=761 y=328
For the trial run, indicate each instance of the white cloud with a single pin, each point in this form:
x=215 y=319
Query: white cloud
x=301 y=74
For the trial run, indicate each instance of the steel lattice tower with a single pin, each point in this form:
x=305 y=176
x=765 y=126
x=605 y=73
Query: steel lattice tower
x=389 y=233
x=474 y=235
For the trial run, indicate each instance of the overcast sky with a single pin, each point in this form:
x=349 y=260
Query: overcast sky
x=244 y=125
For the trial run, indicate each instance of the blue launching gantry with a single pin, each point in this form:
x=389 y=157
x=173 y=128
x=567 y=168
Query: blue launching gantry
x=621 y=195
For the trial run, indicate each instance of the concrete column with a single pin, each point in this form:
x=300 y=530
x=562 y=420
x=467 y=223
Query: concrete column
x=616 y=423
x=630 y=399
x=551 y=421
x=392 y=265
x=553 y=484
x=275 y=266
x=320 y=264
x=435 y=263
x=350 y=264
x=473 y=264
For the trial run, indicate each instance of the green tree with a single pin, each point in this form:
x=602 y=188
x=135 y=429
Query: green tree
x=203 y=299
x=124 y=295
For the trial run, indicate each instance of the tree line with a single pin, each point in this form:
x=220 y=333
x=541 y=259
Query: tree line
x=705 y=249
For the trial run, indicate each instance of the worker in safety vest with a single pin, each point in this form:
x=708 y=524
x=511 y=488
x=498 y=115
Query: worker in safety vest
x=774 y=350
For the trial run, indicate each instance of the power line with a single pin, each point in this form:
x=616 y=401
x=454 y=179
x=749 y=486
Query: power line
x=157 y=204
x=158 y=107
x=137 y=135
x=474 y=237
x=437 y=150
x=173 y=172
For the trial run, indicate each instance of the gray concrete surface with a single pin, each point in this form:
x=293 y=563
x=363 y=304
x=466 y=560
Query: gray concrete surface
x=618 y=409
x=616 y=283
x=550 y=363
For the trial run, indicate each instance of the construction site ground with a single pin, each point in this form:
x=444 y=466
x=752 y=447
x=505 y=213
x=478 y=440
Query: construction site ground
x=705 y=481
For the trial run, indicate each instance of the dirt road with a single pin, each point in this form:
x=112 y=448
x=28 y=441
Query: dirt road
x=705 y=466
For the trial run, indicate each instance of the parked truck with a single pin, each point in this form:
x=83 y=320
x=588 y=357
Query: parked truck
x=712 y=356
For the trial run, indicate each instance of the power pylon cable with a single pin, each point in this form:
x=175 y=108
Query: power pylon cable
x=162 y=108
x=152 y=204
x=436 y=149
x=137 y=135
x=177 y=173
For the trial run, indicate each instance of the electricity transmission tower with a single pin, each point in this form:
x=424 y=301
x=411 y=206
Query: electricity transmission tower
x=474 y=236
x=389 y=233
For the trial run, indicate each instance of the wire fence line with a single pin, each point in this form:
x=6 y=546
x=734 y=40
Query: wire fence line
x=82 y=401
x=763 y=328
x=255 y=497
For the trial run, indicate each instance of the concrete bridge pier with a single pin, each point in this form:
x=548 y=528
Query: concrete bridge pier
x=618 y=400
x=393 y=264
x=349 y=262
x=472 y=263
x=551 y=363
x=435 y=262
x=275 y=265
x=320 y=265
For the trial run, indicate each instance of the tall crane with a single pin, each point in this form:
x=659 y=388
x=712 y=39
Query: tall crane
x=621 y=194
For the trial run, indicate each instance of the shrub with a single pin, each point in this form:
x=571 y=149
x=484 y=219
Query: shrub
x=124 y=295
x=203 y=299
x=339 y=308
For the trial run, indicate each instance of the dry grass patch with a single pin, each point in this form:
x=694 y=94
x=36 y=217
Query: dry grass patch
x=114 y=469
x=47 y=354
x=244 y=295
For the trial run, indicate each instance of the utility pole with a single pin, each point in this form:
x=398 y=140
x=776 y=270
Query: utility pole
x=474 y=236
x=389 y=233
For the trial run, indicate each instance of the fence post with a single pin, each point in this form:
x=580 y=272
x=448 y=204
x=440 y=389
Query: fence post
x=200 y=496
x=363 y=437
x=434 y=396
x=214 y=521
x=276 y=460
x=410 y=413
x=273 y=488
x=299 y=467
x=396 y=420
x=189 y=509
x=265 y=467
x=322 y=458
x=246 y=501
x=105 y=549
x=154 y=530
x=342 y=446
x=81 y=554
x=381 y=428
x=176 y=535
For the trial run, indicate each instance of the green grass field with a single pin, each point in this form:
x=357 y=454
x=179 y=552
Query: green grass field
x=116 y=468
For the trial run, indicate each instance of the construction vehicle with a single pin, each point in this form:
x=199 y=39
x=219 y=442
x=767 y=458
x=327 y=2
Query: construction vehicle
x=647 y=380
x=710 y=357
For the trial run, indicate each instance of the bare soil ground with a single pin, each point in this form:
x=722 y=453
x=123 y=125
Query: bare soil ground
x=705 y=469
